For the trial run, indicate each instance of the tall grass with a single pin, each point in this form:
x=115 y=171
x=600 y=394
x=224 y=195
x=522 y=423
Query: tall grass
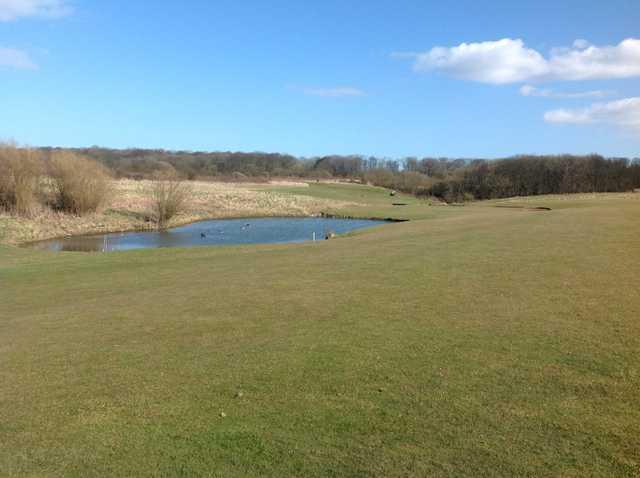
x=20 y=174
x=80 y=185
x=169 y=195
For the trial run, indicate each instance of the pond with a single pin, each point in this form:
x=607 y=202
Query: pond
x=212 y=232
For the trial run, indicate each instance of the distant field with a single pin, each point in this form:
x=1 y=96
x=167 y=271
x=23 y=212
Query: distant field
x=470 y=341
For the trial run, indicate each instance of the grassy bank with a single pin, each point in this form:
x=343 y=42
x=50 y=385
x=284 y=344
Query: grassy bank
x=471 y=341
x=129 y=208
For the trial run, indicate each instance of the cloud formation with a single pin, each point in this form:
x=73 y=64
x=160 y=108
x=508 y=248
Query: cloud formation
x=510 y=61
x=14 y=9
x=624 y=113
x=528 y=90
x=16 y=59
x=336 y=92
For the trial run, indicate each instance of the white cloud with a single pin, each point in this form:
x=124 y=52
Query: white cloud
x=598 y=63
x=624 y=113
x=16 y=59
x=510 y=61
x=568 y=116
x=334 y=92
x=14 y=9
x=502 y=61
x=528 y=90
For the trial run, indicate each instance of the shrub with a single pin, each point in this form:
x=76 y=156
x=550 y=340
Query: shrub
x=20 y=174
x=80 y=185
x=169 y=195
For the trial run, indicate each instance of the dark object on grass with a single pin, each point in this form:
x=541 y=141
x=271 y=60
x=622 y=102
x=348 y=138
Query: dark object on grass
x=399 y=204
x=535 y=208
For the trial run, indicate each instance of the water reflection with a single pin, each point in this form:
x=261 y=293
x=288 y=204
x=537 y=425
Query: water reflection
x=213 y=232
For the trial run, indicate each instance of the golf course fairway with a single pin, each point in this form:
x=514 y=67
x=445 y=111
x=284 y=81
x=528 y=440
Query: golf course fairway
x=469 y=341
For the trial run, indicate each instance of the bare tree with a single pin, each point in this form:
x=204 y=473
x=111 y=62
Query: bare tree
x=169 y=194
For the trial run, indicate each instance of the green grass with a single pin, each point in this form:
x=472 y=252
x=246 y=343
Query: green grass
x=476 y=341
x=369 y=201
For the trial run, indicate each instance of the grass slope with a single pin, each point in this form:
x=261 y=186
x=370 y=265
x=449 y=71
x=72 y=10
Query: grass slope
x=476 y=341
x=371 y=201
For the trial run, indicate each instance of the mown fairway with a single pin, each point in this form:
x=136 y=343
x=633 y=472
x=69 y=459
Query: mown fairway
x=475 y=341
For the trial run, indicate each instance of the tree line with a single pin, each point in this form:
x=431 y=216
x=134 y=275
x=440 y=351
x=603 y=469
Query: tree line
x=452 y=179
x=535 y=175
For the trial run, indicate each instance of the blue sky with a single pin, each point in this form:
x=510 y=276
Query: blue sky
x=313 y=78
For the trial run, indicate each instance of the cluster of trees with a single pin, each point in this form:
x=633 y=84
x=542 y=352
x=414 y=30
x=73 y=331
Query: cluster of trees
x=33 y=180
x=146 y=163
x=464 y=179
x=534 y=175
x=449 y=179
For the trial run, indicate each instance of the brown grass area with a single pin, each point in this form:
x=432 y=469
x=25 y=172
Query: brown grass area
x=129 y=208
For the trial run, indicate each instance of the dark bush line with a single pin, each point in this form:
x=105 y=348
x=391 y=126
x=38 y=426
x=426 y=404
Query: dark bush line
x=535 y=175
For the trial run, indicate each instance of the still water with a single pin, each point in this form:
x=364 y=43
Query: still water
x=213 y=232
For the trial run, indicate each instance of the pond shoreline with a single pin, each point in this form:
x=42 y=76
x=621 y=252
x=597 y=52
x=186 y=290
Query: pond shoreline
x=178 y=223
x=211 y=232
x=129 y=208
x=151 y=228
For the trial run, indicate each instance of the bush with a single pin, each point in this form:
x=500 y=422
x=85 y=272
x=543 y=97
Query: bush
x=80 y=185
x=20 y=174
x=169 y=195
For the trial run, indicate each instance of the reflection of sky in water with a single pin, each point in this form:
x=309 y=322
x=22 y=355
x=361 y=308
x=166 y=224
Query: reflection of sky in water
x=214 y=232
